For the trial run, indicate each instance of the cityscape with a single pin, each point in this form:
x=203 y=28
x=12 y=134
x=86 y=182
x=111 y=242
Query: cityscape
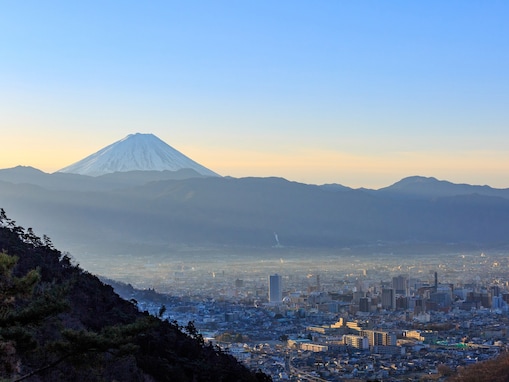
x=254 y=191
x=336 y=317
x=404 y=283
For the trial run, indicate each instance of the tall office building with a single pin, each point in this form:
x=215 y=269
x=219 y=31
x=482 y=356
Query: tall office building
x=495 y=291
x=364 y=304
x=400 y=285
x=388 y=299
x=275 y=288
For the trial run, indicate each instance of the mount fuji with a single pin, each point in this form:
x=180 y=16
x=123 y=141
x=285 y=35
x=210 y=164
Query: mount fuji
x=136 y=152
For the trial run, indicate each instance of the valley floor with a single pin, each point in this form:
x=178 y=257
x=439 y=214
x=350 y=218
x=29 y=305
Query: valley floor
x=433 y=331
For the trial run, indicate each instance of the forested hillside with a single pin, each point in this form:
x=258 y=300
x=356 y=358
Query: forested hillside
x=59 y=323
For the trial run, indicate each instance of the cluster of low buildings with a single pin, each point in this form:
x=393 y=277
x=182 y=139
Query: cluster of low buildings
x=372 y=324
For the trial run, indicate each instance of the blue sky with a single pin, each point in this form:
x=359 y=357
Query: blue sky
x=361 y=93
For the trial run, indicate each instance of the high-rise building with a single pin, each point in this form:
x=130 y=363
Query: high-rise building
x=400 y=285
x=388 y=299
x=275 y=288
x=357 y=296
x=364 y=304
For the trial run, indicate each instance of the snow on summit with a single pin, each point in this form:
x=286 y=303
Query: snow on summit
x=144 y=152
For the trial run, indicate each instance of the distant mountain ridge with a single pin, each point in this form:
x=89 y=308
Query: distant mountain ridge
x=111 y=181
x=224 y=211
x=419 y=186
x=412 y=186
x=141 y=192
x=136 y=152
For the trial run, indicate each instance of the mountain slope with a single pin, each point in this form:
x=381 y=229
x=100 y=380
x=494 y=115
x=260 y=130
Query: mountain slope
x=136 y=152
x=218 y=211
x=74 y=182
x=419 y=186
x=94 y=335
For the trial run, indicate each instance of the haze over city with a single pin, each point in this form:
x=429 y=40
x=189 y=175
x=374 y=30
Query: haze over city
x=254 y=191
x=358 y=93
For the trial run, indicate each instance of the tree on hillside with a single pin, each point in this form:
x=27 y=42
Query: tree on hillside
x=33 y=338
x=25 y=304
x=21 y=309
x=59 y=322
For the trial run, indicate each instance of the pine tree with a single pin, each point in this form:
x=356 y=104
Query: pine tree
x=16 y=314
x=26 y=303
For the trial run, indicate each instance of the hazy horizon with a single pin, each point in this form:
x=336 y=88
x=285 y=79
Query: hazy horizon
x=357 y=93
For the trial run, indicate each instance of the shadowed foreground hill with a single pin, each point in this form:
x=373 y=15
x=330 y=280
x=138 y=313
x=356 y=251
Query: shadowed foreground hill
x=60 y=323
x=495 y=370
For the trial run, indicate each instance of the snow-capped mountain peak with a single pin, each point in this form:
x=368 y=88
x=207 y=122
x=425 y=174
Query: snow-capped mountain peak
x=136 y=152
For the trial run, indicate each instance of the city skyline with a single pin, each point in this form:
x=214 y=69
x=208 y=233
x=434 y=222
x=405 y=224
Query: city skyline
x=362 y=94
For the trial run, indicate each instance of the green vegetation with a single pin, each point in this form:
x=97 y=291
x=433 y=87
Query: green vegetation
x=59 y=322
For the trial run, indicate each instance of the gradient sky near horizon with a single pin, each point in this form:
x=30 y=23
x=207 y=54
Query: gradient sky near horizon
x=361 y=93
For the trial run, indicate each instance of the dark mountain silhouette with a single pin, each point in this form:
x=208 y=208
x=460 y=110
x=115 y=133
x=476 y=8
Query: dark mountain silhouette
x=419 y=187
x=60 y=323
x=215 y=211
x=75 y=182
x=334 y=187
